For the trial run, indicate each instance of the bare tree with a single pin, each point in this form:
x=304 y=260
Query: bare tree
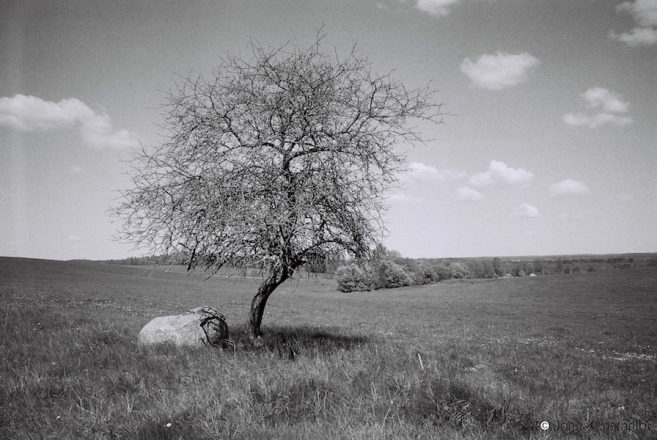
x=274 y=161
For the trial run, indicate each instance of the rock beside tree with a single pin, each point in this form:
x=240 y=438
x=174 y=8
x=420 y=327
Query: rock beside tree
x=202 y=326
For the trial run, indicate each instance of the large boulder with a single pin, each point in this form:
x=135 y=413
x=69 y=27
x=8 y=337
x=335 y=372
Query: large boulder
x=201 y=326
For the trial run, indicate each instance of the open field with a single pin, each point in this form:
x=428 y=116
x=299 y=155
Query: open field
x=469 y=359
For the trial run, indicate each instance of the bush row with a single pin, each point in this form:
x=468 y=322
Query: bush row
x=390 y=273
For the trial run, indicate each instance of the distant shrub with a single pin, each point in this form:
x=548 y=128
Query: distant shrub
x=481 y=267
x=558 y=266
x=441 y=271
x=475 y=268
x=539 y=266
x=393 y=275
x=458 y=270
x=428 y=274
x=412 y=269
x=497 y=267
x=356 y=277
x=489 y=270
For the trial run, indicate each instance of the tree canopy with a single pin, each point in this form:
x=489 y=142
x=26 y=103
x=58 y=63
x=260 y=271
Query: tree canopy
x=273 y=161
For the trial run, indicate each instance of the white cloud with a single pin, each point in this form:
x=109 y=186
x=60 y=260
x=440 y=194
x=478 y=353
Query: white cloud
x=467 y=194
x=451 y=175
x=419 y=172
x=636 y=37
x=510 y=176
x=29 y=113
x=74 y=238
x=436 y=7
x=569 y=187
x=608 y=101
x=403 y=198
x=499 y=71
x=643 y=11
x=526 y=210
x=596 y=120
x=482 y=179
x=422 y=172
x=499 y=172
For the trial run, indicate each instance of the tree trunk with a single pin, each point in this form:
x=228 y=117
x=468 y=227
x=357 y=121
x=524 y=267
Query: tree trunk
x=260 y=301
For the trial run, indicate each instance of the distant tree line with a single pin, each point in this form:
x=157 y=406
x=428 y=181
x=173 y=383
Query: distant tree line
x=148 y=260
x=389 y=269
x=317 y=264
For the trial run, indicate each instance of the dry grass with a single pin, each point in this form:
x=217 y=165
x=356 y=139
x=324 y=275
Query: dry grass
x=457 y=360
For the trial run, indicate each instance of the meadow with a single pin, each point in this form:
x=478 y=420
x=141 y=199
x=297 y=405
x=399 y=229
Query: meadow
x=460 y=359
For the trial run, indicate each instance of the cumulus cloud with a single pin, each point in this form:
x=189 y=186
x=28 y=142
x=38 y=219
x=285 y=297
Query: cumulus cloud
x=526 y=210
x=594 y=121
x=644 y=13
x=467 y=194
x=403 y=198
x=29 y=113
x=636 y=37
x=608 y=102
x=419 y=172
x=436 y=7
x=499 y=172
x=451 y=175
x=499 y=71
x=482 y=179
x=569 y=187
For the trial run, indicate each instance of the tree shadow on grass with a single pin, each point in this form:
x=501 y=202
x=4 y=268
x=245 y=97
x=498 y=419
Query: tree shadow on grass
x=291 y=341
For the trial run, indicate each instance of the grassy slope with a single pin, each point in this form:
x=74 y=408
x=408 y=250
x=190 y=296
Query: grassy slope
x=462 y=359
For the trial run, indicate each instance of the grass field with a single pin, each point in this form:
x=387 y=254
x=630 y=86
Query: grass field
x=471 y=359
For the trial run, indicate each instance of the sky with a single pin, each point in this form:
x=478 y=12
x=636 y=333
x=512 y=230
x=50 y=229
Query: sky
x=548 y=144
